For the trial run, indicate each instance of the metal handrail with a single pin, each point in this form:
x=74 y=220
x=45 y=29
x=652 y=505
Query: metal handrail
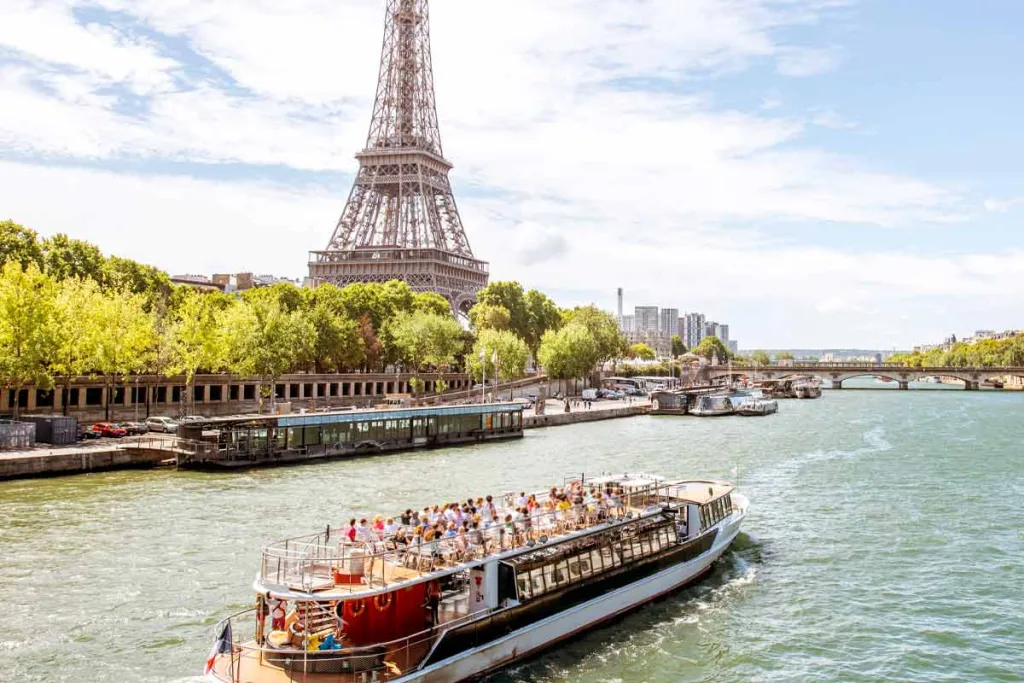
x=283 y=564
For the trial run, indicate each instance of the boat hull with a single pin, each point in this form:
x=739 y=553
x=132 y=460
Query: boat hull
x=539 y=636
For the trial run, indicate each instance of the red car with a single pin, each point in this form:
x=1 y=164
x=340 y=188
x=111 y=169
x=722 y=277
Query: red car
x=109 y=429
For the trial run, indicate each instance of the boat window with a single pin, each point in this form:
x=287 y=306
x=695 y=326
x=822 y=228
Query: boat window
x=524 y=585
x=597 y=561
x=585 y=565
x=537 y=579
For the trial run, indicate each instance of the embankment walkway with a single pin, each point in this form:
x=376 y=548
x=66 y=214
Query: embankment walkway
x=555 y=414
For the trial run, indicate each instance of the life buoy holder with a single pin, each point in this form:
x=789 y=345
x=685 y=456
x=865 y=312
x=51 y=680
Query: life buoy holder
x=383 y=601
x=357 y=607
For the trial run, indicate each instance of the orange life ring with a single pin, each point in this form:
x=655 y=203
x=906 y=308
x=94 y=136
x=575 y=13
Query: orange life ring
x=358 y=606
x=383 y=601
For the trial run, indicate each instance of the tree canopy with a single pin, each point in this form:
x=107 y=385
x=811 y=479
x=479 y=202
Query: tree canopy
x=509 y=350
x=642 y=351
x=761 y=358
x=678 y=347
x=711 y=348
x=570 y=352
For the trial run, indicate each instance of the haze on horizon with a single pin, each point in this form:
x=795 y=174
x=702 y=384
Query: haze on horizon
x=816 y=173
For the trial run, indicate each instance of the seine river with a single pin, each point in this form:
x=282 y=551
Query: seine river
x=885 y=542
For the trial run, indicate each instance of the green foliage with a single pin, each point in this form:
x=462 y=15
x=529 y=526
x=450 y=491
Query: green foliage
x=127 y=276
x=27 y=326
x=76 y=304
x=542 y=315
x=508 y=295
x=262 y=340
x=603 y=329
x=431 y=302
x=678 y=347
x=489 y=317
x=67 y=258
x=337 y=344
x=984 y=353
x=427 y=339
x=785 y=355
x=193 y=337
x=642 y=351
x=760 y=358
x=570 y=352
x=711 y=348
x=510 y=350
x=20 y=245
x=125 y=336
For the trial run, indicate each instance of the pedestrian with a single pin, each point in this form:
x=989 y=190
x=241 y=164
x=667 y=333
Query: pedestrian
x=434 y=602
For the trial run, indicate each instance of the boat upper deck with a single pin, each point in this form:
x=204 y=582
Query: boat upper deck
x=331 y=565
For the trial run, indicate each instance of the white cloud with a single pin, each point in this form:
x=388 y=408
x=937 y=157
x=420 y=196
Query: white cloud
x=801 y=62
x=545 y=109
x=1002 y=205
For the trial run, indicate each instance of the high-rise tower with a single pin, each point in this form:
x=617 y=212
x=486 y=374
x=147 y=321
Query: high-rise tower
x=401 y=221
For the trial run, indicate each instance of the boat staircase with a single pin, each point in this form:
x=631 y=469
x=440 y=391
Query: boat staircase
x=316 y=617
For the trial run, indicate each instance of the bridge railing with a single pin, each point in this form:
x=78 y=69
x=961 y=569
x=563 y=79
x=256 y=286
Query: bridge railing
x=927 y=369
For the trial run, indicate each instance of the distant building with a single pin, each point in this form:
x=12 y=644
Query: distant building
x=668 y=321
x=646 y=319
x=628 y=324
x=196 y=281
x=661 y=343
x=692 y=329
x=734 y=346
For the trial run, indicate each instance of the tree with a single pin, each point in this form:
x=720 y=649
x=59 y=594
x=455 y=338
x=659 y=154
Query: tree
x=19 y=244
x=75 y=352
x=125 y=334
x=711 y=348
x=290 y=297
x=489 y=317
x=427 y=339
x=761 y=358
x=542 y=315
x=569 y=353
x=785 y=355
x=27 y=328
x=431 y=302
x=337 y=343
x=508 y=295
x=125 y=275
x=194 y=341
x=678 y=347
x=1013 y=353
x=67 y=258
x=264 y=341
x=604 y=330
x=642 y=351
x=511 y=353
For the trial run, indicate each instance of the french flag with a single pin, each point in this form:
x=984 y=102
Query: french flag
x=222 y=646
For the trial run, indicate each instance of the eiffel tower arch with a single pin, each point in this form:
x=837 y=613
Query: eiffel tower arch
x=401 y=221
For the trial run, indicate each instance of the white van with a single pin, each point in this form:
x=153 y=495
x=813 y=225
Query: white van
x=590 y=394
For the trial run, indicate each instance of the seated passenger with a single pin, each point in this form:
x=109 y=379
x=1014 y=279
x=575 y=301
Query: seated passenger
x=391 y=527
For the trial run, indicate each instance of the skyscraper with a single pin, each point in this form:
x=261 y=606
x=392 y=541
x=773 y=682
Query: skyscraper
x=668 y=321
x=646 y=319
x=693 y=329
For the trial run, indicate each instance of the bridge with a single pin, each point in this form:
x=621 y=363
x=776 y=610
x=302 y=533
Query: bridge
x=837 y=373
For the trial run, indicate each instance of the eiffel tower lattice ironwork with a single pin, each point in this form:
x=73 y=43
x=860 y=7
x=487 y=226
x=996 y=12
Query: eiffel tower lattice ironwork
x=401 y=221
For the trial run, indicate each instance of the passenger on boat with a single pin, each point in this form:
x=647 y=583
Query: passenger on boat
x=434 y=602
x=407 y=517
x=378 y=526
x=391 y=528
x=364 y=533
x=351 y=532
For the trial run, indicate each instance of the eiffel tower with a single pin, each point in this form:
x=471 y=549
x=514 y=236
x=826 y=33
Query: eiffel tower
x=401 y=221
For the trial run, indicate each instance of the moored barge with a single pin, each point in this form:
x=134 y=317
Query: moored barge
x=395 y=604
x=257 y=440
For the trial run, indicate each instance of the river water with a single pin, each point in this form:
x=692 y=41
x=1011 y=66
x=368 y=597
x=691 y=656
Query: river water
x=884 y=542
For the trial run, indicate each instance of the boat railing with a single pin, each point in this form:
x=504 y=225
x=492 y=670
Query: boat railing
x=404 y=654
x=313 y=562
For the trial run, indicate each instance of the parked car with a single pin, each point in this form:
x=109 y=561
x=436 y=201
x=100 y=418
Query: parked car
x=133 y=428
x=162 y=424
x=87 y=433
x=532 y=397
x=109 y=429
x=527 y=403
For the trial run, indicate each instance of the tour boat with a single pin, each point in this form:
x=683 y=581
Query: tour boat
x=713 y=405
x=330 y=610
x=807 y=389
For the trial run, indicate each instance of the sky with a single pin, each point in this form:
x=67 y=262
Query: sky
x=815 y=173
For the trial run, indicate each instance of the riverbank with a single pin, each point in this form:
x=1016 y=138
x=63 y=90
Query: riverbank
x=150 y=452
x=601 y=410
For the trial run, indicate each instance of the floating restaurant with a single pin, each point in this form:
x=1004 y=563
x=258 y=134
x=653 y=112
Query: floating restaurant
x=256 y=440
